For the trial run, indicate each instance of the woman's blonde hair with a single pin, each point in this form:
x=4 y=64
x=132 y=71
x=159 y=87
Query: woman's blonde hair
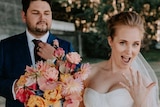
x=129 y=18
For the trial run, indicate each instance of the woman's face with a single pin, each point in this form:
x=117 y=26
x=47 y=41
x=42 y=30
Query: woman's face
x=125 y=45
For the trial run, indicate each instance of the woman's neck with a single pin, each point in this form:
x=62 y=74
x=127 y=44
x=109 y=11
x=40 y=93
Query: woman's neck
x=115 y=67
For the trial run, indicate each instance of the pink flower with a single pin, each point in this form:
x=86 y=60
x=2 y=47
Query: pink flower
x=85 y=70
x=72 y=100
x=23 y=94
x=30 y=80
x=51 y=74
x=30 y=71
x=59 y=53
x=33 y=86
x=70 y=66
x=45 y=85
x=55 y=43
x=72 y=86
x=42 y=66
x=73 y=57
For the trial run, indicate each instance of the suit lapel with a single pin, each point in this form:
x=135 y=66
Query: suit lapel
x=51 y=38
x=23 y=46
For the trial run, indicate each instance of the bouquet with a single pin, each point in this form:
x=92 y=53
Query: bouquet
x=54 y=83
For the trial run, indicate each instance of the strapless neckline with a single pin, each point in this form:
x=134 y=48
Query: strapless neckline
x=116 y=98
x=107 y=93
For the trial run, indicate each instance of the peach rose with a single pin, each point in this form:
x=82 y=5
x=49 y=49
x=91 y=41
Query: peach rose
x=51 y=74
x=73 y=57
x=53 y=95
x=36 y=101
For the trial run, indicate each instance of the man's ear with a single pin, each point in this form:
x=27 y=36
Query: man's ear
x=23 y=16
x=109 y=41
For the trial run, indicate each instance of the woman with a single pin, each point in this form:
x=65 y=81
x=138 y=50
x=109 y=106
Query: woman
x=123 y=80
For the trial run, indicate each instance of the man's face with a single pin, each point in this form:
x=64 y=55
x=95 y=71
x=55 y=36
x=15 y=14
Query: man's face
x=38 y=18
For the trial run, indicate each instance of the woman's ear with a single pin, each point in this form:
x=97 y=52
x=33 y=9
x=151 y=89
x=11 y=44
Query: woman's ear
x=109 y=41
x=23 y=16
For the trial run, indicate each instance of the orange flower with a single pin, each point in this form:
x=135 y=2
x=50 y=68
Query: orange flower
x=53 y=95
x=21 y=81
x=65 y=77
x=25 y=81
x=53 y=104
x=36 y=101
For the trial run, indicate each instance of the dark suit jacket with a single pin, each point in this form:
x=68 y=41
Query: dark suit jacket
x=14 y=56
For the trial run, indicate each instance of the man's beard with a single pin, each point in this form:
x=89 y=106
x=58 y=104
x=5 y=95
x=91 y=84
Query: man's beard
x=41 y=30
x=38 y=31
x=41 y=27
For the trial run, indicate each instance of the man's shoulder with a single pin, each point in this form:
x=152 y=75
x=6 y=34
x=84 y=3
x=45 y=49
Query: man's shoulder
x=14 y=37
x=59 y=39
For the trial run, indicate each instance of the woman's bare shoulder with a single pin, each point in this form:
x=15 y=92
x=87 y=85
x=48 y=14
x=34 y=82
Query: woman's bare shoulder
x=95 y=69
x=98 y=65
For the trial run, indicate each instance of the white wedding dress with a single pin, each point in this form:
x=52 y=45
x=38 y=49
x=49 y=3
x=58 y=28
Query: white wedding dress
x=121 y=97
x=116 y=98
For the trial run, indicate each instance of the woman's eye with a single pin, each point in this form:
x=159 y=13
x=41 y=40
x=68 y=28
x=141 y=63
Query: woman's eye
x=136 y=44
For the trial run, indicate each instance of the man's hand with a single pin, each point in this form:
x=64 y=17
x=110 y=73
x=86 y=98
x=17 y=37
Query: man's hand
x=45 y=50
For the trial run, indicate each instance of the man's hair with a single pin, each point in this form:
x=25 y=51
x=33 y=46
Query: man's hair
x=26 y=3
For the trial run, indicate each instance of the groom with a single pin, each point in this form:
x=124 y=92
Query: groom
x=17 y=51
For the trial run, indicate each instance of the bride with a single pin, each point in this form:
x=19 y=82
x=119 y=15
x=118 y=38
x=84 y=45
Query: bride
x=126 y=79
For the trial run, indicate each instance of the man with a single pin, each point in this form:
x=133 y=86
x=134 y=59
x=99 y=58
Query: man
x=17 y=51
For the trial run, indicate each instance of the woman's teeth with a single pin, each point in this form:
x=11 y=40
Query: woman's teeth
x=126 y=59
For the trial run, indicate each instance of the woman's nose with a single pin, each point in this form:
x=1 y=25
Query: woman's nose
x=129 y=50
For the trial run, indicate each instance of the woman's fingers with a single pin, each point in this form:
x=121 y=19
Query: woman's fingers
x=135 y=81
x=127 y=80
x=139 y=78
x=124 y=85
x=133 y=77
x=151 y=85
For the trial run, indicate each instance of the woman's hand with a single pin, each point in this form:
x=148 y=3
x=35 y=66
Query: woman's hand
x=137 y=89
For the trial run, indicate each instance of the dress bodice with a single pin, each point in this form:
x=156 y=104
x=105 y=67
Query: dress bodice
x=116 y=98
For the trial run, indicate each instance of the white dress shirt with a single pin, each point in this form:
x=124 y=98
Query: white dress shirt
x=31 y=44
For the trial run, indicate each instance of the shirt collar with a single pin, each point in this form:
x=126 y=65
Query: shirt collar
x=30 y=37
